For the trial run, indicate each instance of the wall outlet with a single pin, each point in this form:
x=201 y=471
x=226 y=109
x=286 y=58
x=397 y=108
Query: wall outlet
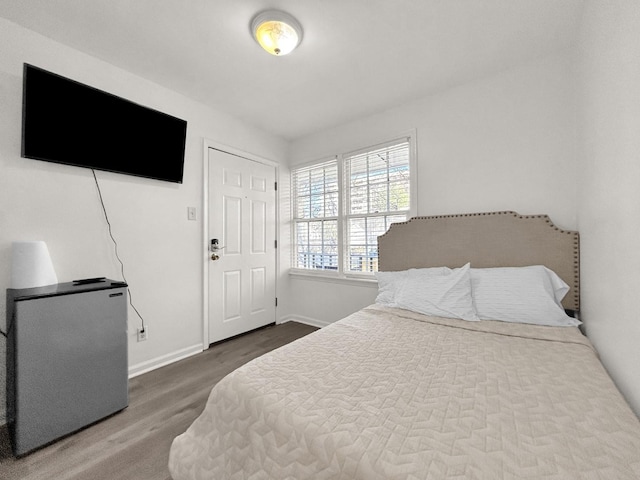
x=143 y=334
x=191 y=213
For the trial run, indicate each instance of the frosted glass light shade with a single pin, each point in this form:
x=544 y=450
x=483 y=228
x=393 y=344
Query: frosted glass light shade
x=31 y=265
x=277 y=32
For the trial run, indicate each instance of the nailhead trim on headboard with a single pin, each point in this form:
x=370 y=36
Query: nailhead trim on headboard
x=574 y=234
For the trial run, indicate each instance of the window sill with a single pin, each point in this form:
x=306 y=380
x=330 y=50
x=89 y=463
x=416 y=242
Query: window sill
x=341 y=278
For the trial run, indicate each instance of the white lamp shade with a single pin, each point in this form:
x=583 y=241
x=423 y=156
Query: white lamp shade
x=31 y=265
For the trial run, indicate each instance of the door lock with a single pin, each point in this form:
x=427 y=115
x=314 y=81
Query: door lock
x=215 y=248
x=215 y=245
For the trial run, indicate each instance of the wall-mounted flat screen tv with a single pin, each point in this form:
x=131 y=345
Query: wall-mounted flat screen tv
x=64 y=121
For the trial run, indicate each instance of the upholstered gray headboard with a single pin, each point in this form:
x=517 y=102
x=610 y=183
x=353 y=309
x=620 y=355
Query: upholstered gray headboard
x=492 y=239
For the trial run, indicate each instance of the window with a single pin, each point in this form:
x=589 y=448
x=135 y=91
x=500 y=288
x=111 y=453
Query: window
x=377 y=195
x=342 y=205
x=316 y=216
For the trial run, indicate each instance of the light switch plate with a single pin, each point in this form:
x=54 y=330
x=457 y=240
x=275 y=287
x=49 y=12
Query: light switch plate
x=191 y=213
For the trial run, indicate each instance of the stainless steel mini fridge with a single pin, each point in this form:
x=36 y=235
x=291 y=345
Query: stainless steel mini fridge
x=66 y=359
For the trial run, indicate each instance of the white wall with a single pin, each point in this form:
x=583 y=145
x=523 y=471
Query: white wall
x=609 y=209
x=501 y=143
x=162 y=251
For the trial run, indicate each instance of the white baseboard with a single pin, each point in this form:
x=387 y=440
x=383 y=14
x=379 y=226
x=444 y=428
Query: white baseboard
x=314 y=322
x=149 y=365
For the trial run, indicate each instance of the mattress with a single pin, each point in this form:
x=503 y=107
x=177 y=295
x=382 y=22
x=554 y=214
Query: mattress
x=390 y=394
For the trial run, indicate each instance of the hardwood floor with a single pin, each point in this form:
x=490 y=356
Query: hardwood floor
x=134 y=444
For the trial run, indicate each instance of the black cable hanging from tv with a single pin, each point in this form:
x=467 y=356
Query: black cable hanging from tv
x=115 y=244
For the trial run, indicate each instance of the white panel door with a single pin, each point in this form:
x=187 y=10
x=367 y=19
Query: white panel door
x=242 y=217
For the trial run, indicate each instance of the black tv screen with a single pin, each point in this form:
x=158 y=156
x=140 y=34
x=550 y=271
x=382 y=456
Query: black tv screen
x=64 y=121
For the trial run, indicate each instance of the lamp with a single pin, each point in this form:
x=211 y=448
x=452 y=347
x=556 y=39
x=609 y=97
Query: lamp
x=277 y=32
x=31 y=265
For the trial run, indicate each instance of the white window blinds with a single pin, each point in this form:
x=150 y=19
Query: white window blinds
x=316 y=208
x=341 y=206
x=377 y=195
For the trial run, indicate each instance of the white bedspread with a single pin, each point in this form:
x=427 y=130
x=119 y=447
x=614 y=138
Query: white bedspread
x=389 y=394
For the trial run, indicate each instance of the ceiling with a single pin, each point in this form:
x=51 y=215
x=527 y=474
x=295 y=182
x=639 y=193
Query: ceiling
x=357 y=57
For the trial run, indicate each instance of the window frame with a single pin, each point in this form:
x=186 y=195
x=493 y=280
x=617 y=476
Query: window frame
x=342 y=273
x=295 y=219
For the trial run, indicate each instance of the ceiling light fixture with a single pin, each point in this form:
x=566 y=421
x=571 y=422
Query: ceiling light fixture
x=277 y=32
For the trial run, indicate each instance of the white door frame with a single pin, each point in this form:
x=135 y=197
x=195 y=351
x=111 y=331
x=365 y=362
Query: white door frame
x=207 y=144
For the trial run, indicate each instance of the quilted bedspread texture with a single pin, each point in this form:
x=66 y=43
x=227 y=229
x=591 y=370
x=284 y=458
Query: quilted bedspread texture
x=390 y=394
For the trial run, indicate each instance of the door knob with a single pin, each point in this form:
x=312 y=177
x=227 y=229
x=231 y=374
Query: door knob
x=215 y=256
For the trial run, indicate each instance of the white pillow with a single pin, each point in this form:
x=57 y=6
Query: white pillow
x=444 y=293
x=520 y=295
x=389 y=283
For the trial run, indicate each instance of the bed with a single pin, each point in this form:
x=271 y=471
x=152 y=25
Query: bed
x=417 y=387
